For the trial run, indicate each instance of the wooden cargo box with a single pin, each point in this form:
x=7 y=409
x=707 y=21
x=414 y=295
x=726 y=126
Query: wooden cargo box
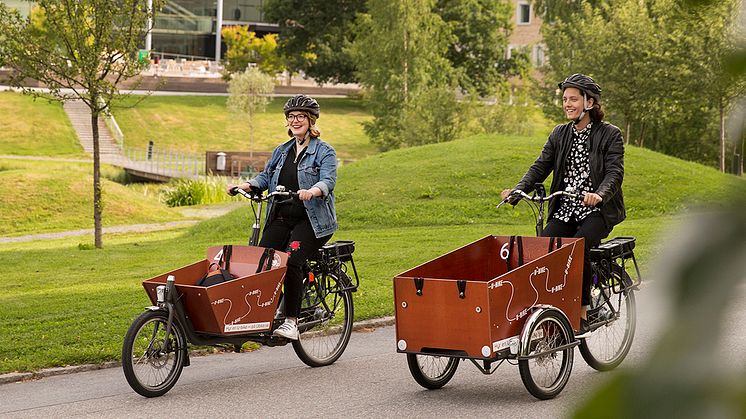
x=244 y=305
x=474 y=300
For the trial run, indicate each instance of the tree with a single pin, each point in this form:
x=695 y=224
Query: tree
x=399 y=52
x=244 y=47
x=716 y=41
x=249 y=95
x=659 y=78
x=315 y=36
x=481 y=29
x=80 y=49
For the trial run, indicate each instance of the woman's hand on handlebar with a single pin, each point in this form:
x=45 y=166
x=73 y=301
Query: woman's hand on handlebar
x=308 y=194
x=591 y=199
x=246 y=186
x=511 y=196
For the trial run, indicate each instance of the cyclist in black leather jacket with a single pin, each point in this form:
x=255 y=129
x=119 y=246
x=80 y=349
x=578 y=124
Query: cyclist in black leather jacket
x=587 y=155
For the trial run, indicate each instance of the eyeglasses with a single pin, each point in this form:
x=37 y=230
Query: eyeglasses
x=300 y=117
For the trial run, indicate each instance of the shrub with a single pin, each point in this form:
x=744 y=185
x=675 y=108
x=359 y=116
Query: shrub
x=185 y=192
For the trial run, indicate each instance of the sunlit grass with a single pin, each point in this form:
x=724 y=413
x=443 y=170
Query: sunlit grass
x=36 y=127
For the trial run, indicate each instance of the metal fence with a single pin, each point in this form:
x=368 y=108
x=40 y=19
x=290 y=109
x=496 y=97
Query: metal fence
x=167 y=163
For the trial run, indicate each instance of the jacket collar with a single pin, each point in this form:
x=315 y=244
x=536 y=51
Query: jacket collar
x=310 y=149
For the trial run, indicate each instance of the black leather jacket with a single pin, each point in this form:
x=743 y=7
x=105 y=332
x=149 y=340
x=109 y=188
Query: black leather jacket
x=607 y=167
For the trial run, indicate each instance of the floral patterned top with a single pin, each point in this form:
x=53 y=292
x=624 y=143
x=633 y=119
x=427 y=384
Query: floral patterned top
x=577 y=176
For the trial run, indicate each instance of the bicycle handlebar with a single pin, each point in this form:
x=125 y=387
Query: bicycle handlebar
x=517 y=192
x=257 y=197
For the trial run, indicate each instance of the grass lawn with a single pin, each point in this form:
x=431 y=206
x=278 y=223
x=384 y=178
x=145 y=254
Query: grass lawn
x=73 y=306
x=61 y=305
x=47 y=196
x=195 y=124
x=36 y=128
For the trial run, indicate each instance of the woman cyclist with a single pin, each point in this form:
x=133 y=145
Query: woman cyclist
x=301 y=225
x=587 y=155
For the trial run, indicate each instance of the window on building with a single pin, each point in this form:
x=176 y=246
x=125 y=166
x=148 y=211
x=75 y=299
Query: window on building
x=523 y=13
x=539 y=55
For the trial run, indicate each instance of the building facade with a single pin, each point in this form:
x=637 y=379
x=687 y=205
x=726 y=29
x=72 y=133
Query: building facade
x=527 y=32
x=187 y=27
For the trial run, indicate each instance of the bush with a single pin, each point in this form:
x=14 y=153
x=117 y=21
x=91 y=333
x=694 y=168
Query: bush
x=185 y=192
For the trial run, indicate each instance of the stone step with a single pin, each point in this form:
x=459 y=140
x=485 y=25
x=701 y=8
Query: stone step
x=80 y=118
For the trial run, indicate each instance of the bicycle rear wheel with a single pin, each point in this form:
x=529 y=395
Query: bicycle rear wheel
x=432 y=372
x=608 y=345
x=152 y=362
x=325 y=323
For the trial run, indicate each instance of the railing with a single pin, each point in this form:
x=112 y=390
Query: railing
x=167 y=163
x=111 y=123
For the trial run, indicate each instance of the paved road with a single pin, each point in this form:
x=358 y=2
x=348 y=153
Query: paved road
x=370 y=380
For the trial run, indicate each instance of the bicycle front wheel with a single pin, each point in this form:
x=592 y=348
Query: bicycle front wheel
x=546 y=369
x=152 y=361
x=325 y=324
x=608 y=345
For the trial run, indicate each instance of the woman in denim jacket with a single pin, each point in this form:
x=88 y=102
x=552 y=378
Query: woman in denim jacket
x=308 y=165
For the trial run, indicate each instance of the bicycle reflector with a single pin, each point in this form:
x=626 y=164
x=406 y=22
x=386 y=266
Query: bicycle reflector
x=311 y=278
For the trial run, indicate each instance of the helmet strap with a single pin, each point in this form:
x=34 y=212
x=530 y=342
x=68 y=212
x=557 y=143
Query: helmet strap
x=586 y=108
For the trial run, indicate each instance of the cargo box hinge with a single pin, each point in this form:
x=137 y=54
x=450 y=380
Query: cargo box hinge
x=461 y=288
x=418 y=283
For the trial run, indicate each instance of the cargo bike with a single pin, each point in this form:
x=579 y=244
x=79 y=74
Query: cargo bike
x=246 y=308
x=517 y=299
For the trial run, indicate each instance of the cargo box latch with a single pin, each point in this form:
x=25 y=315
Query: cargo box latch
x=418 y=283
x=461 y=288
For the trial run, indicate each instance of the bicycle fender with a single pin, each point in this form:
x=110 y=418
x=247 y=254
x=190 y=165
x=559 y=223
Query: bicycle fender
x=525 y=340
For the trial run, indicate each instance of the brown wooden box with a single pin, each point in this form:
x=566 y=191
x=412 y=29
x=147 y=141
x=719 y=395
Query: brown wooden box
x=244 y=305
x=496 y=299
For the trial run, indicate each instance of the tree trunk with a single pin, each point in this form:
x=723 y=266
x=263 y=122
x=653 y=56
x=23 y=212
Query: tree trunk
x=97 y=205
x=722 y=135
x=743 y=140
x=642 y=135
x=251 y=138
x=627 y=133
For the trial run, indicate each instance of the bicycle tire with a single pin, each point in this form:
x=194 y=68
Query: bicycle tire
x=608 y=345
x=546 y=373
x=150 y=371
x=324 y=342
x=430 y=371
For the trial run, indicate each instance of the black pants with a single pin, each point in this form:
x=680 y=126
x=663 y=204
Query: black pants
x=593 y=229
x=293 y=233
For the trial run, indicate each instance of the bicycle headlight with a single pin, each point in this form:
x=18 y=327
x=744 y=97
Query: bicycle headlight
x=160 y=294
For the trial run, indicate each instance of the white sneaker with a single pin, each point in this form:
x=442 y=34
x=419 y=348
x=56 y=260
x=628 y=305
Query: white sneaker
x=287 y=330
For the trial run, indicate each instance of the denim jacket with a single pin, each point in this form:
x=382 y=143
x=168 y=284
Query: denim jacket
x=317 y=167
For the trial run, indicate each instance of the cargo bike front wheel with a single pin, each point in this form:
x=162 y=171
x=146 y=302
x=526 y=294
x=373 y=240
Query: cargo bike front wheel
x=547 y=354
x=152 y=356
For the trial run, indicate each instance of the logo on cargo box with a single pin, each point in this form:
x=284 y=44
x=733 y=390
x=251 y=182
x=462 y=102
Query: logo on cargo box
x=245 y=327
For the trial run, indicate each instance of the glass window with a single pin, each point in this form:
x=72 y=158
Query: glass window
x=523 y=13
x=539 y=56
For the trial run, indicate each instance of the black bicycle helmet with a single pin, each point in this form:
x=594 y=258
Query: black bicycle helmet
x=302 y=103
x=586 y=85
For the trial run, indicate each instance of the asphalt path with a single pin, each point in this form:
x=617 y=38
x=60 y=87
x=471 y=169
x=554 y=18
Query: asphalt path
x=370 y=380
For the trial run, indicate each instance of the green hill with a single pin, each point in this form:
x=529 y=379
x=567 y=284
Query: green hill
x=195 y=124
x=459 y=183
x=36 y=127
x=46 y=196
x=402 y=208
